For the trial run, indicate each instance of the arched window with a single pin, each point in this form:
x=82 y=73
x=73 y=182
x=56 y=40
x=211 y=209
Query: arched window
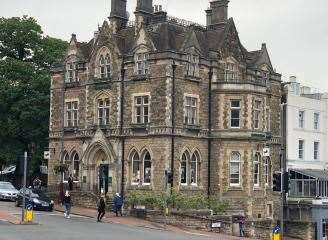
x=184 y=169
x=102 y=66
x=147 y=168
x=67 y=161
x=257 y=170
x=194 y=168
x=135 y=168
x=108 y=68
x=235 y=169
x=76 y=167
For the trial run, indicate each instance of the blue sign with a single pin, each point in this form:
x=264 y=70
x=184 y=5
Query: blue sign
x=276 y=230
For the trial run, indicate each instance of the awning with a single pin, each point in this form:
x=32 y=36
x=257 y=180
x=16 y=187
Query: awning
x=8 y=170
x=321 y=175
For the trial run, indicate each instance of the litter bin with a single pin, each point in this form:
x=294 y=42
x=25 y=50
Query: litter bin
x=276 y=233
x=28 y=213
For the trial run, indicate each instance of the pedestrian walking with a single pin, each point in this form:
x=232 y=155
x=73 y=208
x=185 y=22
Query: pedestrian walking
x=70 y=182
x=67 y=202
x=241 y=227
x=118 y=203
x=101 y=208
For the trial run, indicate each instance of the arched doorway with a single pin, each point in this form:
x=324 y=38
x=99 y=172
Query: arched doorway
x=100 y=168
x=104 y=172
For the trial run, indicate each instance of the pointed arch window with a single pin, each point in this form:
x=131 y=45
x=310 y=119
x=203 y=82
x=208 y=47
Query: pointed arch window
x=235 y=169
x=108 y=67
x=105 y=66
x=76 y=167
x=136 y=168
x=267 y=171
x=67 y=161
x=184 y=169
x=193 y=169
x=189 y=169
x=147 y=168
x=257 y=170
x=141 y=168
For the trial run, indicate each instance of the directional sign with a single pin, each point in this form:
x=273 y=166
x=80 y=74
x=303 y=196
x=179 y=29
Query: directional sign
x=266 y=152
x=46 y=155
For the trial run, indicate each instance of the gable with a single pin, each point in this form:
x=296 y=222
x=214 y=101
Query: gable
x=191 y=43
x=263 y=58
x=230 y=45
x=143 y=39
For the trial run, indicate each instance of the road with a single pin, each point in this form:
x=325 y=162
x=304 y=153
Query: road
x=53 y=226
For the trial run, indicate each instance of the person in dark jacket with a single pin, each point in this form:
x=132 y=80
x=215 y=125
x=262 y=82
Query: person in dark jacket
x=70 y=183
x=118 y=203
x=101 y=208
x=67 y=202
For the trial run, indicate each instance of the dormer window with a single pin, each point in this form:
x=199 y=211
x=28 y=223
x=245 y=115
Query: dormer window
x=230 y=72
x=71 y=73
x=142 y=64
x=192 y=65
x=104 y=66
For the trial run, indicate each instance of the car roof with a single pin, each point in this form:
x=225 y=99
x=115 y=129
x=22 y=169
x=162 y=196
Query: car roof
x=5 y=183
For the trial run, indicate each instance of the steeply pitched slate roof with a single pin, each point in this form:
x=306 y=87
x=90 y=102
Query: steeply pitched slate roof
x=171 y=36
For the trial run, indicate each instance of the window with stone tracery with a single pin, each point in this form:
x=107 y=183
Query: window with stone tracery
x=105 y=66
x=189 y=169
x=235 y=169
x=141 y=168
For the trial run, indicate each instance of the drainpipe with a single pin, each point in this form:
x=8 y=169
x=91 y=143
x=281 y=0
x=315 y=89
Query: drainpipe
x=61 y=185
x=209 y=152
x=121 y=126
x=174 y=66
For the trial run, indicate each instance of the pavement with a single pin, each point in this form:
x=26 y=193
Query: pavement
x=83 y=225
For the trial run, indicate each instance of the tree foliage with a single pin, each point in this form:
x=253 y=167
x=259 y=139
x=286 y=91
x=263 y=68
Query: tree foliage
x=26 y=56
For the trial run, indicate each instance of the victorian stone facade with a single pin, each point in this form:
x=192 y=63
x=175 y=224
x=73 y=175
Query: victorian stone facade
x=162 y=95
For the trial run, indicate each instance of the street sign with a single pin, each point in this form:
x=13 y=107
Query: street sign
x=216 y=224
x=266 y=152
x=46 y=155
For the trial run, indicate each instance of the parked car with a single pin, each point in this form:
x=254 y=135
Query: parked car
x=8 y=191
x=36 y=198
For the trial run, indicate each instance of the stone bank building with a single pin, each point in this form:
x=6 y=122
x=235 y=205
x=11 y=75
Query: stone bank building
x=164 y=95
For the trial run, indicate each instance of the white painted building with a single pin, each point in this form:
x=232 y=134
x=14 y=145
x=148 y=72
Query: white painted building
x=306 y=127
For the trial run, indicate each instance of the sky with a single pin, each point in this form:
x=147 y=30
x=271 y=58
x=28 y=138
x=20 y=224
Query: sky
x=295 y=31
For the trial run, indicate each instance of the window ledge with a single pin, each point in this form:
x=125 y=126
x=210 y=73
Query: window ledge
x=193 y=127
x=139 y=125
x=191 y=187
x=257 y=188
x=72 y=84
x=140 y=187
x=101 y=80
x=193 y=78
x=235 y=188
x=140 y=77
x=70 y=129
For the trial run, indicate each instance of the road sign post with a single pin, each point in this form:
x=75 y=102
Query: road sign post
x=24 y=186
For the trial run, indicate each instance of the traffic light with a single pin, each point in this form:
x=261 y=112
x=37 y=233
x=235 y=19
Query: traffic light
x=276 y=182
x=169 y=177
x=286 y=187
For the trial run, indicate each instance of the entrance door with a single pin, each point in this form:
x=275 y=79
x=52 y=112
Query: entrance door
x=103 y=178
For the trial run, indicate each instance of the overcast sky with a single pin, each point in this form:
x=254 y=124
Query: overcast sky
x=296 y=31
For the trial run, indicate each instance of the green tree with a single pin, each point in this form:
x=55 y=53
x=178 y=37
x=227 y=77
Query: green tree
x=26 y=56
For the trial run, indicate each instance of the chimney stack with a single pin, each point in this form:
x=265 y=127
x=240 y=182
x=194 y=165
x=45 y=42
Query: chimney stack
x=217 y=13
x=144 y=12
x=118 y=15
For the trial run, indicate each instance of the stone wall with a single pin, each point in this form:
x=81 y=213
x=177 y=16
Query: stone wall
x=300 y=230
x=203 y=221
